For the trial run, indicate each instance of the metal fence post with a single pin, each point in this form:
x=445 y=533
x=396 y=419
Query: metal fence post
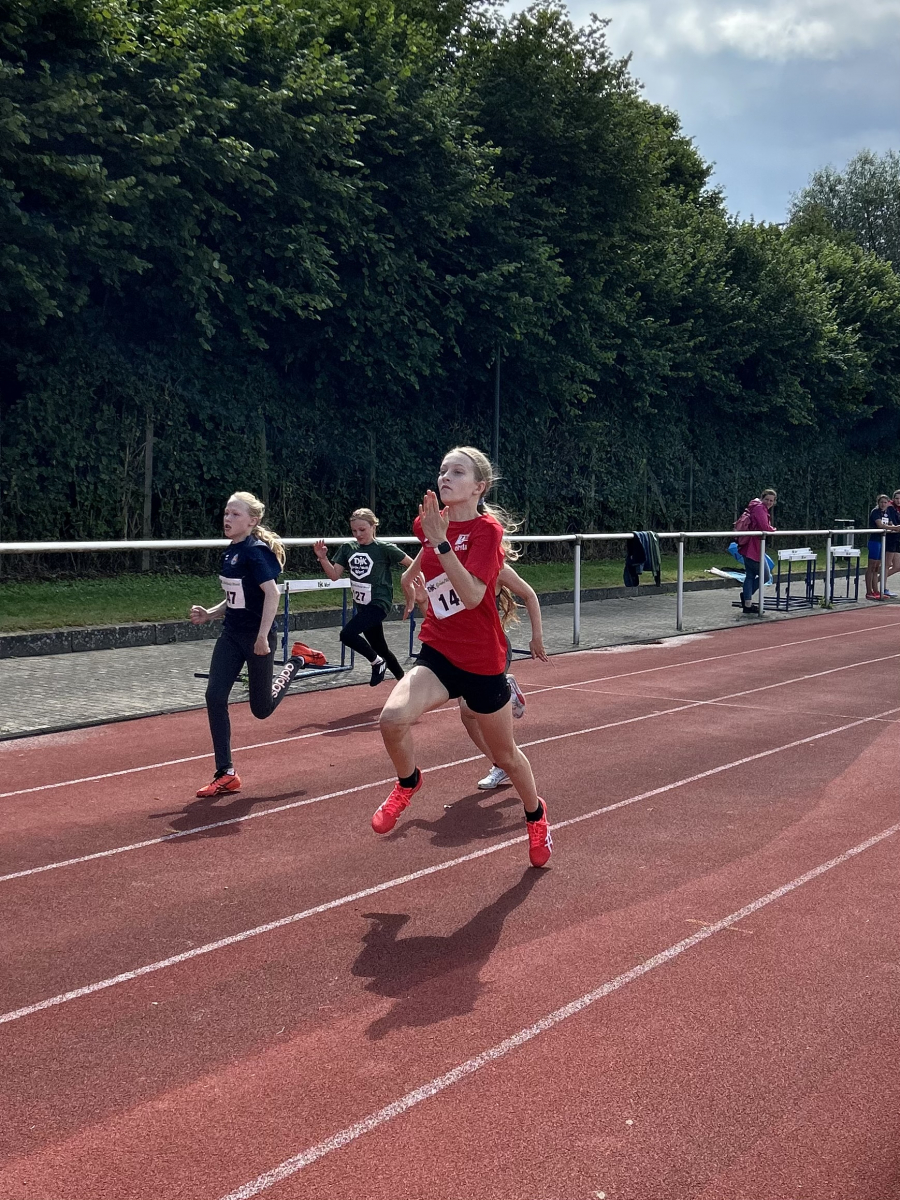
x=576 y=626
x=883 y=585
x=679 y=587
x=762 y=576
x=827 y=599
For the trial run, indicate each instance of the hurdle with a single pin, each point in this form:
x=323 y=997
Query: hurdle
x=786 y=602
x=286 y=589
x=851 y=557
x=291 y=587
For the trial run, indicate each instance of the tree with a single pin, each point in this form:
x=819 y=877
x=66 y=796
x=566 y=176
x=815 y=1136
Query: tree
x=863 y=200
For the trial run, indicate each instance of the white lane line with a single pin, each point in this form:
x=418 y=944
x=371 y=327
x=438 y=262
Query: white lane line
x=400 y=881
x=793 y=712
x=43 y=787
x=458 y=762
x=868 y=662
x=826 y=637
x=267 y=812
x=174 y=762
x=428 y=1090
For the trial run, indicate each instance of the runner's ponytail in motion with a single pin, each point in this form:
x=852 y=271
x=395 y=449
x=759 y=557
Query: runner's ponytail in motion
x=506 y=601
x=257 y=509
x=485 y=473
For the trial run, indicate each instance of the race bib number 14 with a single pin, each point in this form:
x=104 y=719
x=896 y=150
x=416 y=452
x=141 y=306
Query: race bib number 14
x=444 y=600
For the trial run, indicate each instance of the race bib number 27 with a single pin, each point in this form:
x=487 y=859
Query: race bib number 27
x=443 y=599
x=362 y=592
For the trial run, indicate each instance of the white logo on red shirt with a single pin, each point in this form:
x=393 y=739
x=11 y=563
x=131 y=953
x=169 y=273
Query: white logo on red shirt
x=462 y=543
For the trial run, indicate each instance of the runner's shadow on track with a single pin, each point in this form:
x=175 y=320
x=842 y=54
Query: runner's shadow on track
x=207 y=819
x=465 y=822
x=340 y=725
x=433 y=978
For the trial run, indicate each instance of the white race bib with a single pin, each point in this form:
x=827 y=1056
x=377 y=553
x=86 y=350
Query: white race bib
x=234 y=592
x=362 y=592
x=444 y=600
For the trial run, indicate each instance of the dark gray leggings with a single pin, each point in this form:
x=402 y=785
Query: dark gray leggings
x=231 y=652
x=364 y=633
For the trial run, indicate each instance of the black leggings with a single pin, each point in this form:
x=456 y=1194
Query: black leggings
x=231 y=652
x=368 y=621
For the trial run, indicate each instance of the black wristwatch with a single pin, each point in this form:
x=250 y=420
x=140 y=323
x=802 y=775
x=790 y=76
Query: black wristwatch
x=442 y=548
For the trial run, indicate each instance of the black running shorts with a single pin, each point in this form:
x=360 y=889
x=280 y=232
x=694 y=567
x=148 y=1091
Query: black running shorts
x=482 y=693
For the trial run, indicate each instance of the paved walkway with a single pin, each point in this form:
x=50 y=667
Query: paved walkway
x=39 y=695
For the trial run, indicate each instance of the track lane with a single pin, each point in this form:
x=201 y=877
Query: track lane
x=30 y=761
x=626 y=892
x=682 y=1032
x=22 y=845
x=114 y=915
x=217 y=1051
x=675 y=1085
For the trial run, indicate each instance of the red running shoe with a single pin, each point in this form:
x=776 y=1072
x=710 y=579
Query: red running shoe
x=385 y=817
x=540 y=843
x=220 y=785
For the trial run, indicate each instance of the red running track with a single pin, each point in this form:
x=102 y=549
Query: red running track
x=260 y=997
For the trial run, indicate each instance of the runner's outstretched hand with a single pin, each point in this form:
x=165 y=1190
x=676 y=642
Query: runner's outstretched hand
x=435 y=520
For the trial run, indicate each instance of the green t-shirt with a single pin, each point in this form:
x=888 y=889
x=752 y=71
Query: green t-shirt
x=370 y=570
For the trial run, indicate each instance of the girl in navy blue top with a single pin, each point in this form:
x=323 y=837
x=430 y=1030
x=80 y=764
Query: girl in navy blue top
x=250 y=567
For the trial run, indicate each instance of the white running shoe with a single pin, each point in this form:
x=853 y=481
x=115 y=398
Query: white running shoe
x=494 y=778
x=518 y=697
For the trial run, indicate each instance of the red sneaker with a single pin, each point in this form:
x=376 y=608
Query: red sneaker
x=540 y=843
x=385 y=816
x=220 y=785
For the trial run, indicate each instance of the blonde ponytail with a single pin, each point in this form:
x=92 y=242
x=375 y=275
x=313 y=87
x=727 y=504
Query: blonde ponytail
x=256 y=508
x=509 y=609
x=273 y=541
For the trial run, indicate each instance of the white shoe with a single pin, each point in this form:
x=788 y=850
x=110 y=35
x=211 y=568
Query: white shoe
x=518 y=697
x=494 y=777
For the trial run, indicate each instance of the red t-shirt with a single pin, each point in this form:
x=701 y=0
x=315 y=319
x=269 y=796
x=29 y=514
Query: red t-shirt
x=471 y=638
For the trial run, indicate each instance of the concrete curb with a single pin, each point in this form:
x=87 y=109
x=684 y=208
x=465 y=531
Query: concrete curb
x=37 y=643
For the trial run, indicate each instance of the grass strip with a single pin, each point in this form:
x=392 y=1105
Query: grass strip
x=126 y=598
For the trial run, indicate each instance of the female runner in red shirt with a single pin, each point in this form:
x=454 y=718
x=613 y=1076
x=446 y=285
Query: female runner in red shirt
x=463 y=645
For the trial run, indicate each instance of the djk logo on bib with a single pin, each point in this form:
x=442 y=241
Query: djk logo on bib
x=360 y=565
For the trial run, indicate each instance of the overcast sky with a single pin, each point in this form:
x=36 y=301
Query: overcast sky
x=769 y=91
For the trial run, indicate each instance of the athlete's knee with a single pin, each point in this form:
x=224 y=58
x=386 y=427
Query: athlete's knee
x=261 y=707
x=344 y=637
x=508 y=757
x=394 y=720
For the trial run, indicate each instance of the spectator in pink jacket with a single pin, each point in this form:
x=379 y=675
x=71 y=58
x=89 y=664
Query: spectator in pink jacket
x=757 y=517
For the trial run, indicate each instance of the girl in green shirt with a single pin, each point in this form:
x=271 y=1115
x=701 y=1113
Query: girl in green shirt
x=369 y=563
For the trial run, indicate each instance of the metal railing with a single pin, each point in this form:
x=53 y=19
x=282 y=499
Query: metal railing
x=576 y=540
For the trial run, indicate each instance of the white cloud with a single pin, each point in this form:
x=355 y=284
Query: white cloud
x=774 y=31
x=770 y=90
